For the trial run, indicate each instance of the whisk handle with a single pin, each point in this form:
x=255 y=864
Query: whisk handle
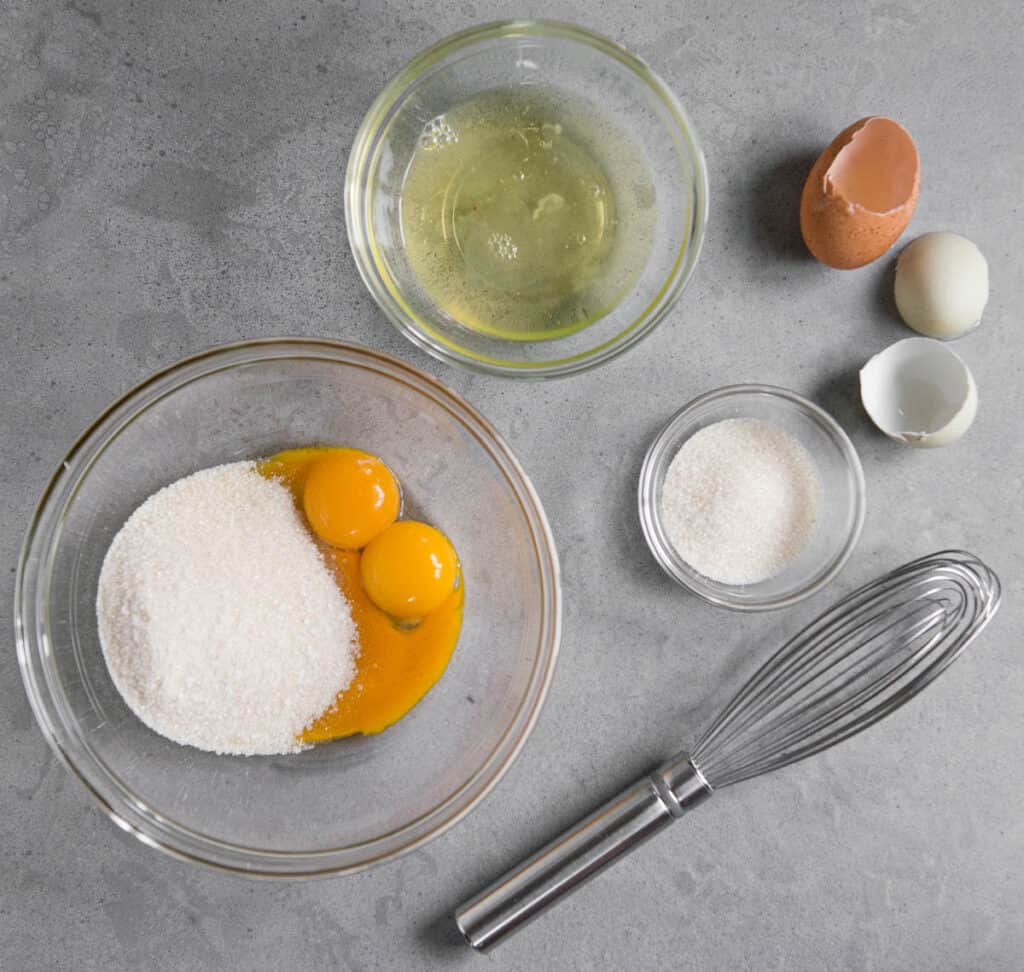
x=600 y=839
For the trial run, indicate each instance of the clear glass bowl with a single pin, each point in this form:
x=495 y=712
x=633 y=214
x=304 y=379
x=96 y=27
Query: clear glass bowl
x=350 y=803
x=840 y=509
x=559 y=57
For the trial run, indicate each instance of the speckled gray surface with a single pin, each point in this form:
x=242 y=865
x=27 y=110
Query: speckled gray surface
x=170 y=179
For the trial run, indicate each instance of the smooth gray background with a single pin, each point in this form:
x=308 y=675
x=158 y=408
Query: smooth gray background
x=171 y=179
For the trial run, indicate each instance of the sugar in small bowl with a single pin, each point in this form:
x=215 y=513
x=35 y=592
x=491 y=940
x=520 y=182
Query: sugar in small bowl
x=752 y=497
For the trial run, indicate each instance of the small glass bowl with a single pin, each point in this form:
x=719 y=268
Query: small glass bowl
x=557 y=57
x=840 y=509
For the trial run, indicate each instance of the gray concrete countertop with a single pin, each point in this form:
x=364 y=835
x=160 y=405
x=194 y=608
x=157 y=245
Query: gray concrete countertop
x=170 y=179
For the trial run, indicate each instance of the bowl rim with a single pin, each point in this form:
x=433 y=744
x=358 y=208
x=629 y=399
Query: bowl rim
x=127 y=810
x=650 y=514
x=357 y=201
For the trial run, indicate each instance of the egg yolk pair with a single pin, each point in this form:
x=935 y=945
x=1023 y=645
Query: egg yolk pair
x=401 y=577
x=352 y=500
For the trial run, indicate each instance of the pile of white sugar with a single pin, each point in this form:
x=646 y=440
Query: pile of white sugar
x=221 y=625
x=740 y=500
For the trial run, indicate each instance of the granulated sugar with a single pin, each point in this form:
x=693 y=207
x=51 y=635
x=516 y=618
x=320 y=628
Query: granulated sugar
x=221 y=625
x=740 y=500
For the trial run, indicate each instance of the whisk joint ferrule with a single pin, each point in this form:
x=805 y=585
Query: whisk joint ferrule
x=680 y=784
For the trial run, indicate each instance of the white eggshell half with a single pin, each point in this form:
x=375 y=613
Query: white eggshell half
x=941 y=285
x=920 y=392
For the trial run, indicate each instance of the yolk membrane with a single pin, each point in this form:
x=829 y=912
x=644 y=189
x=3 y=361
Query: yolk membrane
x=409 y=569
x=349 y=497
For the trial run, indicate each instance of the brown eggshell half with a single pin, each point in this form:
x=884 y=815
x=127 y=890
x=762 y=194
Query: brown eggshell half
x=861 y=193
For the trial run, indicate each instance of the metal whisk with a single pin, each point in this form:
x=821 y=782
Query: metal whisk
x=852 y=666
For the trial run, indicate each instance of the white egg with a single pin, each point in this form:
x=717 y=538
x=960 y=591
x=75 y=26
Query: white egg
x=941 y=285
x=920 y=392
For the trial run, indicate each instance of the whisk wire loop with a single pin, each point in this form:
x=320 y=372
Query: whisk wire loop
x=852 y=666
x=830 y=705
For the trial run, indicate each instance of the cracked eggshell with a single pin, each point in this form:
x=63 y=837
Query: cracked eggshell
x=861 y=193
x=919 y=391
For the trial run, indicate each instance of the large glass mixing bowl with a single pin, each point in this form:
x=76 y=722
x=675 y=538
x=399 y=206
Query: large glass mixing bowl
x=339 y=806
x=559 y=59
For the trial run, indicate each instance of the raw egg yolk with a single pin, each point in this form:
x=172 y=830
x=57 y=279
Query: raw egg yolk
x=396 y=666
x=409 y=569
x=349 y=497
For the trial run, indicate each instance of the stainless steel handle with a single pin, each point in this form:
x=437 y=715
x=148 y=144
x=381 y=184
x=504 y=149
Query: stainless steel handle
x=568 y=861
